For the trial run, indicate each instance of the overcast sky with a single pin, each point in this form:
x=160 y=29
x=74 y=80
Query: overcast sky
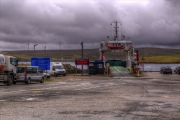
x=153 y=23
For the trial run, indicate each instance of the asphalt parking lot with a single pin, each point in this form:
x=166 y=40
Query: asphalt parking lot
x=153 y=96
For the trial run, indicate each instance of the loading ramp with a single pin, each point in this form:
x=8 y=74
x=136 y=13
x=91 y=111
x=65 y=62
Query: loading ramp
x=119 y=71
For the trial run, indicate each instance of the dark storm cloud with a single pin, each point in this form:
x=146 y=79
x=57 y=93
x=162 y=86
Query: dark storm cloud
x=70 y=22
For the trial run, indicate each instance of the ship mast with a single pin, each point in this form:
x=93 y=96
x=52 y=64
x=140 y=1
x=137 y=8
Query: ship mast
x=116 y=29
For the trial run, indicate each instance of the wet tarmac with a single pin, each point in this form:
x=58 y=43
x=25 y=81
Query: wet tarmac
x=153 y=96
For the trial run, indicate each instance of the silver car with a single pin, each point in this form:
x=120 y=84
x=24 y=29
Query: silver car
x=29 y=73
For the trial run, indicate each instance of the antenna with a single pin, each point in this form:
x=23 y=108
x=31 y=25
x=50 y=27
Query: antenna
x=116 y=29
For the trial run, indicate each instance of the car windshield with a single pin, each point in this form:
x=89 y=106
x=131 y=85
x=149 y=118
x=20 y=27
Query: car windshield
x=40 y=70
x=58 y=67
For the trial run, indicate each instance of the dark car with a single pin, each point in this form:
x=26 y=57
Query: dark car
x=177 y=70
x=166 y=69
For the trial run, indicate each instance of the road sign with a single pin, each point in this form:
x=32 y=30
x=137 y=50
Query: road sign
x=82 y=61
x=43 y=63
x=107 y=64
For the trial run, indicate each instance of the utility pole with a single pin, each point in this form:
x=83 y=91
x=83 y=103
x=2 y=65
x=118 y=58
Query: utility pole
x=35 y=46
x=92 y=45
x=82 y=55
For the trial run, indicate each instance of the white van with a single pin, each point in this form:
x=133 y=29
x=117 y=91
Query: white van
x=56 y=68
x=33 y=73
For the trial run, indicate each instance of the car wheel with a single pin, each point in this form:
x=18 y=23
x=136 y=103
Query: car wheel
x=42 y=80
x=10 y=80
x=64 y=75
x=28 y=81
x=14 y=82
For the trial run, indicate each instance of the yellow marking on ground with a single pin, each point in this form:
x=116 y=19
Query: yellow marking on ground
x=110 y=83
x=22 y=90
x=62 y=82
x=36 y=89
x=123 y=83
x=117 y=69
x=85 y=83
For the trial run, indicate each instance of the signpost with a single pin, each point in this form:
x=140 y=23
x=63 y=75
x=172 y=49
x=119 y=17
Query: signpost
x=81 y=62
x=43 y=63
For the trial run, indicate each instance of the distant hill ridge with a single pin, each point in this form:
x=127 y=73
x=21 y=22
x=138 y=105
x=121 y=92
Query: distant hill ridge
x=92 y=54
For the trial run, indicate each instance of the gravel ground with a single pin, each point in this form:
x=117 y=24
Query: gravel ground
x=151 y=97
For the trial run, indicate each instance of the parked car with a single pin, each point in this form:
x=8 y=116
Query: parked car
x=166 y=69
x=46 y=75
x=177 y=70
x=29 y=73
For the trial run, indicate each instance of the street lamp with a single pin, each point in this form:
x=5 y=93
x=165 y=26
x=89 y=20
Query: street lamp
x=35 y=46
x=82 y=54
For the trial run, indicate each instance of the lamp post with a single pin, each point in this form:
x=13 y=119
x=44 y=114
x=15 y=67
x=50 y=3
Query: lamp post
x=35 y=46
x=82 y=55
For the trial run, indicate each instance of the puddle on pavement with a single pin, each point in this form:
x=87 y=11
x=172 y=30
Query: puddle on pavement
x=31 y=99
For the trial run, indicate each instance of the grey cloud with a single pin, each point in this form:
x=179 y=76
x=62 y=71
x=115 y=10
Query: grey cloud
x=155 y=23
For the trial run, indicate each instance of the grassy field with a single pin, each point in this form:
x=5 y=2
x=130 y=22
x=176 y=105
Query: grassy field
x=161 y=59
x=151 y=55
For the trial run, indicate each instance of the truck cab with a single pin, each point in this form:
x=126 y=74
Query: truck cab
x=8 y=70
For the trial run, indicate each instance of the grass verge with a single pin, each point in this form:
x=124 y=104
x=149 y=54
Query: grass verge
x=47 y=80
x=161 y=59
